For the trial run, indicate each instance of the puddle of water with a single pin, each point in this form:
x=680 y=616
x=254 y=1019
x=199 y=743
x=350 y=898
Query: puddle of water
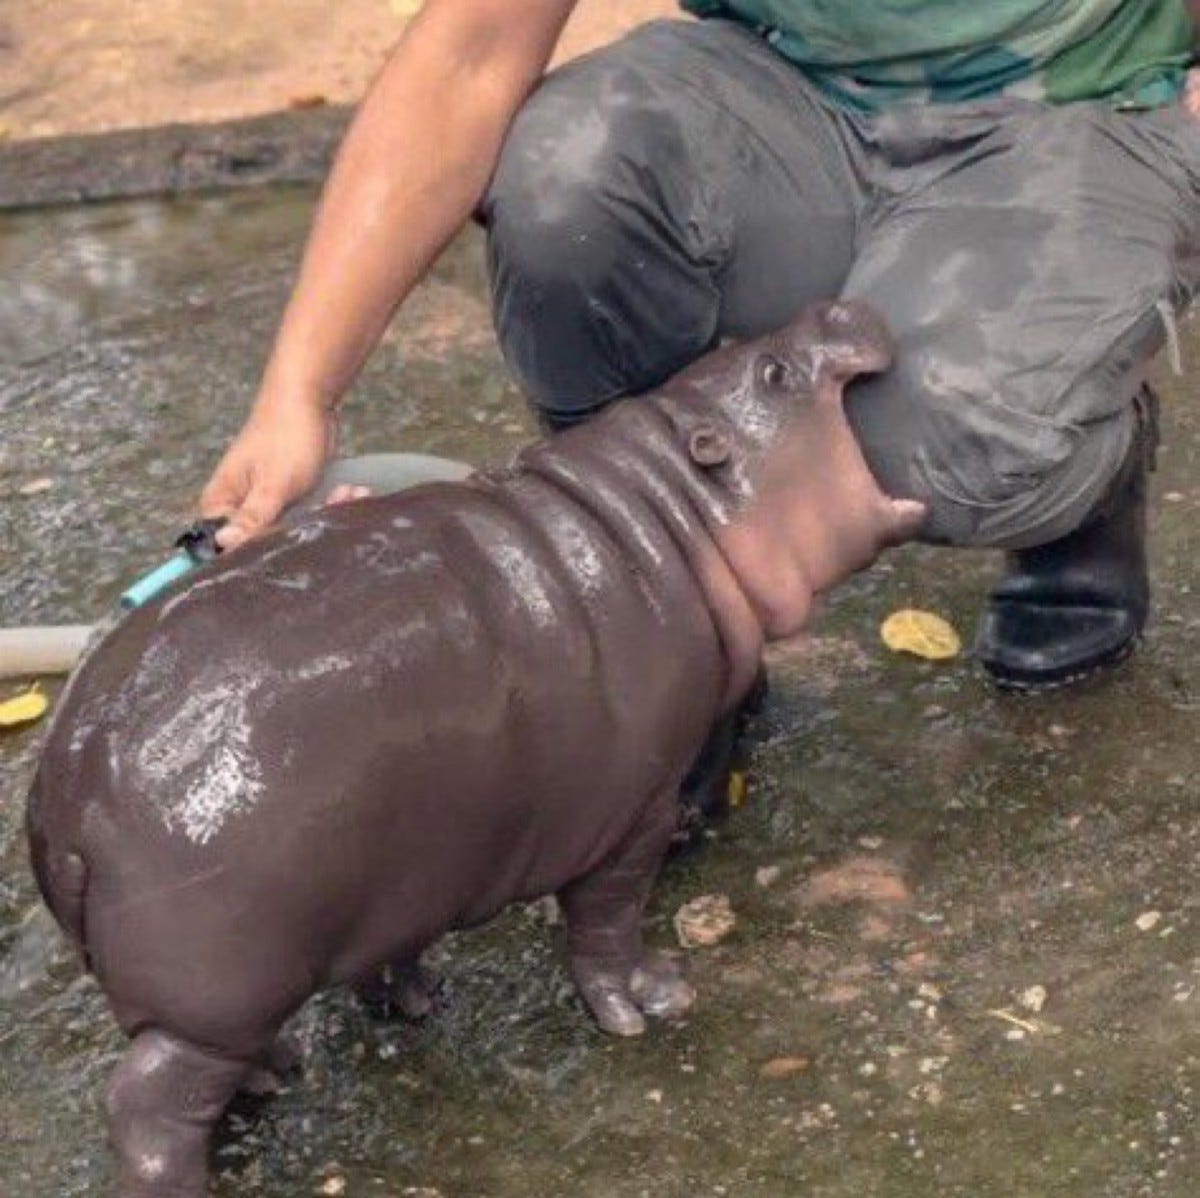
x=940 y=850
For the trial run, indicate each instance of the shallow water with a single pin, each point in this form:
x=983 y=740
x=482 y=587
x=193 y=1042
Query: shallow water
x=939 y=849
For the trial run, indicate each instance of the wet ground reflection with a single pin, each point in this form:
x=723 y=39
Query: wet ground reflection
x=917 y=857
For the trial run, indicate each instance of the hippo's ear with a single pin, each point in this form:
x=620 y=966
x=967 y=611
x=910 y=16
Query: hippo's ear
x=710 y=444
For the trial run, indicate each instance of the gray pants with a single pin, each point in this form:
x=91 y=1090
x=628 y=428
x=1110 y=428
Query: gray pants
x=688 y=184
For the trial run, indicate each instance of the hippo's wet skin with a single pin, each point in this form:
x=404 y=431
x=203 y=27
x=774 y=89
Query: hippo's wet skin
x=308 y=763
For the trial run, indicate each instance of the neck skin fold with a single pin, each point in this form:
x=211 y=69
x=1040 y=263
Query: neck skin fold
x=639 y=449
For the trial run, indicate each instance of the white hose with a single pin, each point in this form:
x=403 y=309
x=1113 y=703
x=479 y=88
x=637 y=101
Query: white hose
x=48 y=650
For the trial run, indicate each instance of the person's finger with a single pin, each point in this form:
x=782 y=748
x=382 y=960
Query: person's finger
x=219 y=498
x=258 y=512
x=231 y=535
x=345 y=493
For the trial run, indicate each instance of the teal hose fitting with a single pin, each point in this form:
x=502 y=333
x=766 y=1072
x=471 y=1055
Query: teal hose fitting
x=196 y=547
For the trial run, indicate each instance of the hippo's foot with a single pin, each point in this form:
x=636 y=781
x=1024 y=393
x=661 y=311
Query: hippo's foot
x=163 y=1102
x=659 y=987
x=619 y=980
x=403 y=988
x=606 y=993
x=620 y=997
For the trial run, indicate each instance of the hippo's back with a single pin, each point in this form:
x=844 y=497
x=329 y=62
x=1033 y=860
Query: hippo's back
x=345 y=738
x=199 y=771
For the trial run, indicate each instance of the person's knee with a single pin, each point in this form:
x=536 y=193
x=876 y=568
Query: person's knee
x=598 y=286
x=567 y=181
x=992 y=476
x=544 y=211
x=551 y=243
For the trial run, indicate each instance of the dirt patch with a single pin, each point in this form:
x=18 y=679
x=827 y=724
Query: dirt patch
x=91 y=66
x=872 y=880
x=122 y=98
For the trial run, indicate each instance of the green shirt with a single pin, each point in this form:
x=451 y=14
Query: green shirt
x=872 y=53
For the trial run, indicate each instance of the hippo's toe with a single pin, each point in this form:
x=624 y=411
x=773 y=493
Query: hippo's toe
x=659 y=987
x=607 y=997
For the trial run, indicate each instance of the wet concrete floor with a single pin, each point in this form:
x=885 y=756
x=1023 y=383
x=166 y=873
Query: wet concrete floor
x=967 y=956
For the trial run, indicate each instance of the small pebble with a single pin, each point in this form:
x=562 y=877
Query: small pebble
x=1148 y=920
x=333 y=1185
x=766 y=875
x=1033 y=999
x=36 y=486
x=704 y=921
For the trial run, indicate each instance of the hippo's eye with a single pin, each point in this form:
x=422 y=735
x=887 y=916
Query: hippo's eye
x=772 y=372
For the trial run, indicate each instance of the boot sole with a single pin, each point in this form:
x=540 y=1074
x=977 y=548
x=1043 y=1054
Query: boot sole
x=1040 y=684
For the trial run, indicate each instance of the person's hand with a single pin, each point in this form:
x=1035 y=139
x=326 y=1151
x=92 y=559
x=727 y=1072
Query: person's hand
x=1191 y=94
x=275 y=459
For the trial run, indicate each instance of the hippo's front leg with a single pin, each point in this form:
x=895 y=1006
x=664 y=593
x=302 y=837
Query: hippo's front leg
x=617 y=977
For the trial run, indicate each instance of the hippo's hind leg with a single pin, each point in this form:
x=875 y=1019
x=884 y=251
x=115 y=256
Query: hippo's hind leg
x=402 y=987
x=617 y=977
x=163 y=1102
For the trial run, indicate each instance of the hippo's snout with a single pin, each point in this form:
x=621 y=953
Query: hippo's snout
x=858 y=323
x=846 y=337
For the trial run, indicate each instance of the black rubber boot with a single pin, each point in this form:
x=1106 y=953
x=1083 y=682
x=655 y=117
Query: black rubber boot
x=716 y=783
x=1076 y=606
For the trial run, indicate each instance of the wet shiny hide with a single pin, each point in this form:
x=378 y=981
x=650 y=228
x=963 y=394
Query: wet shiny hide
x=303 y=765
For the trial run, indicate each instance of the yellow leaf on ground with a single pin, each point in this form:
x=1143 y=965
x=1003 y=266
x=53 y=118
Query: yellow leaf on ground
x=922 y=633
x=23 y=708
x=781 y=1067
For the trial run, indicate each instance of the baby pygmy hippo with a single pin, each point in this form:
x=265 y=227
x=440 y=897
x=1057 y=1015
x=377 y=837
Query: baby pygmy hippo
x=303 y=765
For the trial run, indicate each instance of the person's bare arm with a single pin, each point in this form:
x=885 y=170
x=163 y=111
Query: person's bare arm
x=413 y=165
